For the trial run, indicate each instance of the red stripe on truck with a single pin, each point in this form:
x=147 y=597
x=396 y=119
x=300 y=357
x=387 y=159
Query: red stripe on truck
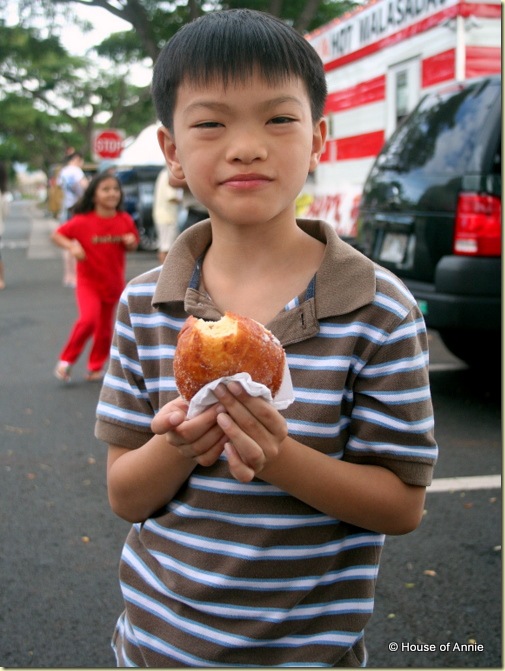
x=365 y=145
x=371 y=91
x=482 y=61
x=438 y=68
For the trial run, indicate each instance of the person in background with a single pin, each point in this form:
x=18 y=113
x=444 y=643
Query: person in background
x=165 y=212
x=72 y=181
x=98 y=237
x=54 y=194
x=193 y=210
x=257 y=533
x=3 y=214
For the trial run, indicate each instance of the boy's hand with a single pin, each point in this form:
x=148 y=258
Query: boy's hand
x=199 y=438
x=255 y=431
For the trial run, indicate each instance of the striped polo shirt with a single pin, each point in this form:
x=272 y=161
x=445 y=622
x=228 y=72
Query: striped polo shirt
x=234 y=574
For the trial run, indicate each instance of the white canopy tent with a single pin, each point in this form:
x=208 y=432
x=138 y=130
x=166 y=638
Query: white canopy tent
x=144 y=150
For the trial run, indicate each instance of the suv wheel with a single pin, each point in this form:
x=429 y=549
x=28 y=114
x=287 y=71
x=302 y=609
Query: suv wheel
x=475 y=348
x=148 y=241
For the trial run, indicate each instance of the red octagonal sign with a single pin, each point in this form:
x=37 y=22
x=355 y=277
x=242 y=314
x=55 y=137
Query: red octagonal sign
x=108 y=143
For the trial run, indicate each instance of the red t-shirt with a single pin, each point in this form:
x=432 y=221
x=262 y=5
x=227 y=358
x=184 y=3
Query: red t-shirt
x=104 y=265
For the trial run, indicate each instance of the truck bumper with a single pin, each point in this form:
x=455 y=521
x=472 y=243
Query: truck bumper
x=466 y=294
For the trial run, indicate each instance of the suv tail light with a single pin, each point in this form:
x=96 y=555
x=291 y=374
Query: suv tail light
x=478 y=225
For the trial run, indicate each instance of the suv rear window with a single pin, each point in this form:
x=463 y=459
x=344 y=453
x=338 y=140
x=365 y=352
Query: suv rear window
x=443 y=133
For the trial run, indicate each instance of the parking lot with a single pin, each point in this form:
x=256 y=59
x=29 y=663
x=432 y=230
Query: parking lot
x=439 y=591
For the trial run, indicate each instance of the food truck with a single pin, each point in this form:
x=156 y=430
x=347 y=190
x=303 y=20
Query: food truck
x=380 y=59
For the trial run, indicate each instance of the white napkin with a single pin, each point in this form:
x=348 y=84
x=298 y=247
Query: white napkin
x=205 y=397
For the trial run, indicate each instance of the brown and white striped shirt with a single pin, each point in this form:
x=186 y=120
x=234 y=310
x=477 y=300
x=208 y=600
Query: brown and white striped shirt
x=244 y=574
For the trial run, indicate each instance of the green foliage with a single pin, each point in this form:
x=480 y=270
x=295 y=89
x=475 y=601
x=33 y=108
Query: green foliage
x=50 y=100
x=23 y=54
x=122 y=47
x=28 y=135
x=156 y=21
x=292 y=10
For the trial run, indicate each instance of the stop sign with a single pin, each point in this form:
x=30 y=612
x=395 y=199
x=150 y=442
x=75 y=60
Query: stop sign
x=108 y=143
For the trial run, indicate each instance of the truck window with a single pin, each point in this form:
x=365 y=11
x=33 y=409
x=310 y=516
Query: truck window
x=441 y=134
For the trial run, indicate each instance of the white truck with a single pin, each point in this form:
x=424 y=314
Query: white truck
x=380 y=59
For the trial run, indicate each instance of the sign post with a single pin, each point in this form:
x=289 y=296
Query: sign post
x=107 y=144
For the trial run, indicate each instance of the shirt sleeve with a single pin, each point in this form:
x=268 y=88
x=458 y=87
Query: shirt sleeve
x=70 y=228
x=392 y=422
x=124 y=411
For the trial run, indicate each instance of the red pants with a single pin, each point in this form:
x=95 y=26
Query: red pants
x=96 y=319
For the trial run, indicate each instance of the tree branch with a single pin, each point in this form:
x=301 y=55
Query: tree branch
x=309 y=11
x=38 y=95
x=275 y=7
x=133 y=12
x=195 y=9
x=104 y=4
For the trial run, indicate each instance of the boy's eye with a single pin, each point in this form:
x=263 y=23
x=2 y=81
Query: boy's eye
x=282 y=119
x=208 y=124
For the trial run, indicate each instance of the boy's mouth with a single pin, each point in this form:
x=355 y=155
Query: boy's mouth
x=247 y=180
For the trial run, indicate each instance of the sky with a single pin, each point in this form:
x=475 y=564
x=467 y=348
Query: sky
x=104 y=23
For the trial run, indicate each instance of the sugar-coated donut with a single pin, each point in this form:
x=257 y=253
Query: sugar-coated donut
x=234 y=344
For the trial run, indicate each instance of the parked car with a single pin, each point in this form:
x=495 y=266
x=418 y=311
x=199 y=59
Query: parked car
x=138 y=188
x=431 y=212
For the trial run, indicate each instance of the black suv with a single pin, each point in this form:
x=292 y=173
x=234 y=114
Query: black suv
x=138 y=189
x=431 y=212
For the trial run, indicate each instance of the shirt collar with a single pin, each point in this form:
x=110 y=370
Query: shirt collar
x=345 y=281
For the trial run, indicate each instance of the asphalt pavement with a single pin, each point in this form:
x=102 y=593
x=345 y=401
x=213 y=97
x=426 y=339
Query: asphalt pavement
x=439 y=591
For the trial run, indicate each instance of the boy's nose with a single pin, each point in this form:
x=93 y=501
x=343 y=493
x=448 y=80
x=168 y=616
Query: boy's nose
x=247 y=147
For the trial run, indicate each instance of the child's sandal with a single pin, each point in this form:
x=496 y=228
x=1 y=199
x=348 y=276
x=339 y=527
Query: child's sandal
x=94 y=376
x=62 y=371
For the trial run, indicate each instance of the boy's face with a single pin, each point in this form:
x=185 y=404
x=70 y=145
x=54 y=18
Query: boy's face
x=245 y=150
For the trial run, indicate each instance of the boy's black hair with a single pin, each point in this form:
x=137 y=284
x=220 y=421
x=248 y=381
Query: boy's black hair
x=86 y=203
x=230 y=45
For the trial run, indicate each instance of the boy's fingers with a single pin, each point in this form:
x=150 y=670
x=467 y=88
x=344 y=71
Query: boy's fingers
x=211 y=456
x=240 y=471
x=161 y=423
x=194 y=443
x=249 y=450
x=254 y=415
x=171 y=415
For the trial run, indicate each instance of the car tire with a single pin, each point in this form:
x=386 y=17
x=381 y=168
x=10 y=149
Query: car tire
x=148 y=241
x=477 y=348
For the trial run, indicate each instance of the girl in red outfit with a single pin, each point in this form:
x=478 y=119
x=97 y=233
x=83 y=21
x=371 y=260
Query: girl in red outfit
x=98 y=236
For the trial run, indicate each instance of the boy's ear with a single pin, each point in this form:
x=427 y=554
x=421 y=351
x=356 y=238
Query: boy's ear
x=167 y=145
x=318 y=142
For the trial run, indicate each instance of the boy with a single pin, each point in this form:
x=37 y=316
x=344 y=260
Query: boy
x=257 y=533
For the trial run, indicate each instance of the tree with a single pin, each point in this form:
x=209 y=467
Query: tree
x=155 y=21
x=28 y=135
x=65 y=98
x=50 y=99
